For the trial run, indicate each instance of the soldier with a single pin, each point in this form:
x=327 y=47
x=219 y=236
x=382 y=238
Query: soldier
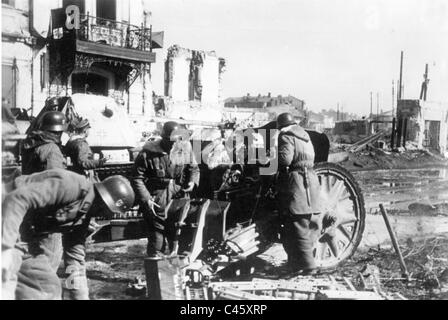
x=41 y=150
x=53 y=201
x=158 y=178
x=51 y=104
x=298 y=192
x=79 y=151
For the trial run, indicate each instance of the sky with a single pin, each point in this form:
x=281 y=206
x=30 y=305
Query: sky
x=322 y=51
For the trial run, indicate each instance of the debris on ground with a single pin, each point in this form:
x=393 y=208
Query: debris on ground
x=368 y=155
x=427 y=262
x=369 y=278
x=137 y=287
x=299 y=288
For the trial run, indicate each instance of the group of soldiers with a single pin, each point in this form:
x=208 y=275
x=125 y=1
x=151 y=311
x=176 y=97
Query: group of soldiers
x=48 y=212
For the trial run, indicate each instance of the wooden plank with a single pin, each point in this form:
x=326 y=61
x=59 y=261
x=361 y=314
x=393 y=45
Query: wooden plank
x=115 y=52
x=393 y=237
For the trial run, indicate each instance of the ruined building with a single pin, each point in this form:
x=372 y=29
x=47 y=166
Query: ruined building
x=193 y=82
x=109 y=53
x=192 y=75
x=424 y=123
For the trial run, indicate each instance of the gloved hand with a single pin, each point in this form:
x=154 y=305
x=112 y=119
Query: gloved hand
x=150 y=204
x=6 y=264
x=93 y=226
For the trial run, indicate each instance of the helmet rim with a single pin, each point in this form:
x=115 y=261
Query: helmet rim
x=54 y=121
x=108 y=199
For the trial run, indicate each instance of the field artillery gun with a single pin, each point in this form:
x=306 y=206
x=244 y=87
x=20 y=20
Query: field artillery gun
x=212 y=232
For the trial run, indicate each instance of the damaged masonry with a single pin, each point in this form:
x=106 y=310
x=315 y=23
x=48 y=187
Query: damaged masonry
x=138 y=163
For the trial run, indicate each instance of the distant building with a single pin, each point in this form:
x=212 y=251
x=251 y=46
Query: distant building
x=425 y=123
x=257 y=110
x=357 y=128
x=268 y=101
x=259 y=116
x=317 y=121
x=381 y=121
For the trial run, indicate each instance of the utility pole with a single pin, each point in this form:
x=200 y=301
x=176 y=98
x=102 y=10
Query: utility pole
x=371 y=104
x=377 y=109
x=393 y=97
x=337 y=113
x=424 y=89
x=399 y=97
x=400 y=88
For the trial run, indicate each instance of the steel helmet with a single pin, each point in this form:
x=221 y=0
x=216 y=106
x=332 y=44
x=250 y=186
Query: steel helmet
x=52 y=102
x=168 y=128
x=284 y=120
x=117 y=193
x=53 y=121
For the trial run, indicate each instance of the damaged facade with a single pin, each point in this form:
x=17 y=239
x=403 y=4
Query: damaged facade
x=192 y=75
x=109 y=55
x=193 y=82
x=424 y=123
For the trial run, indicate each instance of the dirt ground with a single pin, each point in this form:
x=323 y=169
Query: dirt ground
x=111 y=267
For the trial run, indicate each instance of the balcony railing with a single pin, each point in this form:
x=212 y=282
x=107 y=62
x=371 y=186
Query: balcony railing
x=114 y=33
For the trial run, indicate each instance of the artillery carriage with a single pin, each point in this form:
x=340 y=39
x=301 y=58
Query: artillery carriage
x=234 y=216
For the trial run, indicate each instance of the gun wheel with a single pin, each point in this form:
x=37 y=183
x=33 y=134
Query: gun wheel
x=344 y=200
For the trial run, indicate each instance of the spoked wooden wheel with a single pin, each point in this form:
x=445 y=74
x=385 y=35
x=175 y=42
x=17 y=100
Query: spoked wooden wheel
x=342 y=198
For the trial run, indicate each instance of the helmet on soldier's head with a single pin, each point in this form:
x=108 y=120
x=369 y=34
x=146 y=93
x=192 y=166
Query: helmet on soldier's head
x=284 y=120
x=168 y=128
x=117 y=193
x=53 y=121
x=52 y=103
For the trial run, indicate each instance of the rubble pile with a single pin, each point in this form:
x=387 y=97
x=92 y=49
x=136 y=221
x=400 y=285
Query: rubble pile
x=427 y=262
x=371 y=157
